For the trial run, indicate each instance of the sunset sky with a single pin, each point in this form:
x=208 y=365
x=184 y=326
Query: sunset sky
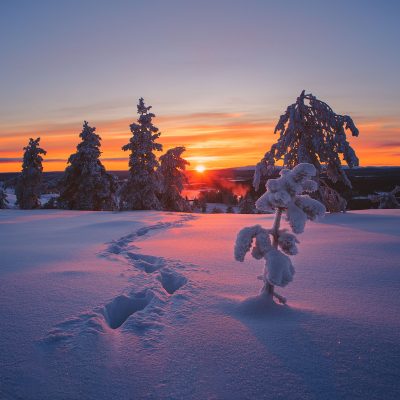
x=217 y=73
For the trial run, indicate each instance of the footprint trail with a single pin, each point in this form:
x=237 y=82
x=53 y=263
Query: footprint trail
x=143 y=307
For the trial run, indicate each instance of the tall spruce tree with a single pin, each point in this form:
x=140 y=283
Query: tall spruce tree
x=86 y=185
x=29 y=182
x=311 y=132
x=172 y=168
x=143 y=184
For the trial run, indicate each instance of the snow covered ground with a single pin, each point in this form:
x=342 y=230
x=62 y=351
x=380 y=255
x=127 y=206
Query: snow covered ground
x=150 y=305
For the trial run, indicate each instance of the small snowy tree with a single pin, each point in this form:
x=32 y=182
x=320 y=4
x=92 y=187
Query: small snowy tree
x=386 y=199
x=143 y=184
x=28 y=187
x=312 y=133
x=247 y=204
x=172 y=169
x=3 y=198
x=199 y=204
x=86 y=185
x=283 y=194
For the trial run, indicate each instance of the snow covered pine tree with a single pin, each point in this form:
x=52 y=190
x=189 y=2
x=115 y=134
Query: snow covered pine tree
x=86 y=185
x=283 y=194
x=29 y=182
x=143 y=184
x=172 y=169
x=313 y=133
x=3 y=198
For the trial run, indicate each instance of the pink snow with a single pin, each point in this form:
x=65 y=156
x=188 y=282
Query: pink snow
x=132 y=305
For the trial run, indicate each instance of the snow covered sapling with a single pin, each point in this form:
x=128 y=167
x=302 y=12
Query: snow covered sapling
x=143 y=184
x=283 y=195
x=28 y=187
x=311 y=132
x=86 y=185
x=172 y=169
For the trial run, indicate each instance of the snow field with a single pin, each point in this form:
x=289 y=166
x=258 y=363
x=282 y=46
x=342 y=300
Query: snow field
x=151 y=305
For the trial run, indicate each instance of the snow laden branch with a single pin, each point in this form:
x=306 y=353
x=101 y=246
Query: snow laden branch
x=311 y=132
x=283 y=195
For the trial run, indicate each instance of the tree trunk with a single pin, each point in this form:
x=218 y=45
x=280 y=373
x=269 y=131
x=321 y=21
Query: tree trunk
x=269 y=288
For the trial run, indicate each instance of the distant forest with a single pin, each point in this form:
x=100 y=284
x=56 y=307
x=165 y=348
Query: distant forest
x=365 y=181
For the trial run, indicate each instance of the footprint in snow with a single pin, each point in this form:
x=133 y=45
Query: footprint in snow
x=171 y=280
x=122 y=307
x=146 y=263
x=88 y=323
x=121 y=245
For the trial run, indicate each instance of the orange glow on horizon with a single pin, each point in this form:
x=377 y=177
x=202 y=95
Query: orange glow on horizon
x=215 y=140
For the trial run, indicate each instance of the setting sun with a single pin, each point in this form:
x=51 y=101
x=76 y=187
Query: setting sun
x=200 y=168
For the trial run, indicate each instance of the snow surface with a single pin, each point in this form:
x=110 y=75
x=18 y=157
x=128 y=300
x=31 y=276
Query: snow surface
x=151 y=305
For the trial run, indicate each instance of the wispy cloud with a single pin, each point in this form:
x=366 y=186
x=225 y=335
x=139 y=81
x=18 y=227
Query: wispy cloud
x=390 y=144
x=115 y=107
x=6 y=160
